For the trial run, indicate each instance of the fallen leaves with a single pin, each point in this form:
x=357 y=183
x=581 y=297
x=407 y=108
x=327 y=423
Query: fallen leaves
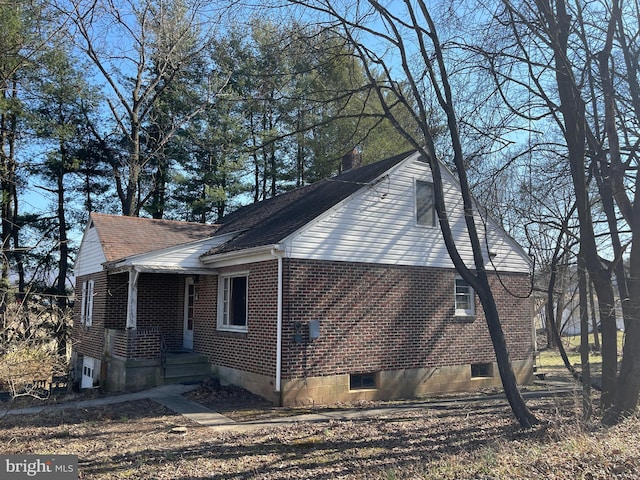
x=143 y=440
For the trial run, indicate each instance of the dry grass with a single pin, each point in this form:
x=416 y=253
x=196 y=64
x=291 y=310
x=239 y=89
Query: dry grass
x=448 y=440
x=551 y=358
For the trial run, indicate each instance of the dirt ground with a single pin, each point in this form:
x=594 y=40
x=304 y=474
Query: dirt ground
x=452 y=439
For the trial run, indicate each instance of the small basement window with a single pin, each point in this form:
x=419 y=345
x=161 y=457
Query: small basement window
x=481 y=370
x=362 y=381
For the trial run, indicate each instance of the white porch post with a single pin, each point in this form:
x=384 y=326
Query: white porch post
x=132 y=299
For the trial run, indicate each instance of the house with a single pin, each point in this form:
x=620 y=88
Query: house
x=336 y=291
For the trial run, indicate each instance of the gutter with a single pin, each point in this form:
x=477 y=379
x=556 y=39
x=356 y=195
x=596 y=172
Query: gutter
x=242 y=254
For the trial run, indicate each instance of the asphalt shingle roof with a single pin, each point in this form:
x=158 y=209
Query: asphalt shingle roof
x=270 y=221
x=122 y=237
x=259 y=224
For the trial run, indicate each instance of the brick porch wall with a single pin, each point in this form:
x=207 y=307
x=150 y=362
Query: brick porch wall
x=144 y=343
x=160 y=309
x=161 y=306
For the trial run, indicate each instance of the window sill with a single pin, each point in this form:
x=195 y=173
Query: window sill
x=464 y=318
x=231 y=333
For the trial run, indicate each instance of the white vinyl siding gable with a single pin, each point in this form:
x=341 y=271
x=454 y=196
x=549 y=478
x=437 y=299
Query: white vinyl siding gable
x=90 y=254
x=185 y=257
x=378 y=225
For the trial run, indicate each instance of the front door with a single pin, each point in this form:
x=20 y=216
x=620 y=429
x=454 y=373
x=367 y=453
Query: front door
x=189 y=304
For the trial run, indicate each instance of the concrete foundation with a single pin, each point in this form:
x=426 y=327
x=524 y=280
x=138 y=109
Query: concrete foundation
x=131 y=374
x=396 y=384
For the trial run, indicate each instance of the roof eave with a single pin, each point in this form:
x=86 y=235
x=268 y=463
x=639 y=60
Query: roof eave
x=246 y=255
x=162 y=269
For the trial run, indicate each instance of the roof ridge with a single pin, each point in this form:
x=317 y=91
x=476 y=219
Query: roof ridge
x=155 y=220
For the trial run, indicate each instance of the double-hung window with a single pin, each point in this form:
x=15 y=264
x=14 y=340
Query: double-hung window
x=233 y=302
x=86 y=307
x=464 y=299
x=425 y=204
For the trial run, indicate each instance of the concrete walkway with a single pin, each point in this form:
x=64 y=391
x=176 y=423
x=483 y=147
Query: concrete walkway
x=171 y=396
x=153 y=394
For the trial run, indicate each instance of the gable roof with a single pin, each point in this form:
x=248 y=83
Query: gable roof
x=270 y=221
x=123 y=237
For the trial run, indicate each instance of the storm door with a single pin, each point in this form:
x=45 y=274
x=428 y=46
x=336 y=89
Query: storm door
x=189 y=306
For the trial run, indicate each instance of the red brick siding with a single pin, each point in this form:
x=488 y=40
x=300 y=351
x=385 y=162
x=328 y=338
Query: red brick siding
x=115 y=313
x=90 y=340
x=144 y=343
x=138 y=344
x=515 y=308
x=160 y=312
x=161 y=305
x=254 y=351
x=373 y=317
x=376 y=317
x=119 y=344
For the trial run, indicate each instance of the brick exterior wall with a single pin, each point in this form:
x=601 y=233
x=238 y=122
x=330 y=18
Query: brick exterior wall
x=136 y=344
x=377 y=317
x=115 y=312
x=254 y=351
x=372 y=317
x=89 y=340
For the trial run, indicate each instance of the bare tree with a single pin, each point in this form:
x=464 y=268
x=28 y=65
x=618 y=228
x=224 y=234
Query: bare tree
x=405 y=39
x=141 y=49
x=580 y=62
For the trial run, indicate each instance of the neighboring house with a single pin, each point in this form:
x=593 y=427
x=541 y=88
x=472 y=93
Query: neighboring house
x=336 y=291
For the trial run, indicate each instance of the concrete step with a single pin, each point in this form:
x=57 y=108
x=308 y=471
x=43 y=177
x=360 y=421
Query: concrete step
x=186 y=379
x=178 y=358
x=186 y=367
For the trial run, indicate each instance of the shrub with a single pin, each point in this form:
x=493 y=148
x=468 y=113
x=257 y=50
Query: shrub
x=26 y=369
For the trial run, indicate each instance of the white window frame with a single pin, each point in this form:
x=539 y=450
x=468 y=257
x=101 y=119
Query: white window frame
x=224 y=302
x=419 y=207
x=459 y=285
x=86 y=308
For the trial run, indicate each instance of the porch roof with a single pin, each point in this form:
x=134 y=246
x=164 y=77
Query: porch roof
x=183 y=258
x=122 y=237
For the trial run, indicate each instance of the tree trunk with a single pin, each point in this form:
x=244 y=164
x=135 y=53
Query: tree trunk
x=594 y=320
x=584 y=337
x=572 y=109
x=507 y=375
x=8 y=126
x=628 y=387
x=63 y=249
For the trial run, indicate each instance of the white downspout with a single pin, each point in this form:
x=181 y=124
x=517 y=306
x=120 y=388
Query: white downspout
x=132 y=299
x=278 y=253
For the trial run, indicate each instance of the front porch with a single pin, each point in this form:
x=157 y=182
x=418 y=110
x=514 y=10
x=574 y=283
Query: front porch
x=135 y=359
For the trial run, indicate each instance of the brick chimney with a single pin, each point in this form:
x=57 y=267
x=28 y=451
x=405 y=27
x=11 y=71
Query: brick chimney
x=350 y=160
